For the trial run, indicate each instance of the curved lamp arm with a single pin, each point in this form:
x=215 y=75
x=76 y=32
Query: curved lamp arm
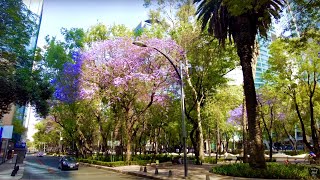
x=141 y=44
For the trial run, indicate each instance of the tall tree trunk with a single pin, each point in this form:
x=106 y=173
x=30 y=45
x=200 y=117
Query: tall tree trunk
x=268 y=133
x=227 y=144
x=293 y=143
x=314 y=134
x=128 y=153
x=194 y=141
x=244 y=33
x=268 y=129
x=304 y=135
x=245 y=132
x=199 y=135
x=102 y=133
x=218 y=146
x=255 y=137
x=197 y=98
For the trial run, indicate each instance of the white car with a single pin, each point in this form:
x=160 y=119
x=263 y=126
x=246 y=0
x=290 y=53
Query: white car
x=40 y=154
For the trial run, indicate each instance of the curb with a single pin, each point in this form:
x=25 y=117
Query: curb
x=119 y=171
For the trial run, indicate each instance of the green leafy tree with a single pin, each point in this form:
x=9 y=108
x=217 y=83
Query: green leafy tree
x=270 y=104
x=294 y=70
x=16 y=28
x=98 y=32
x=7 y=95
x=203 y=68
x=164 y=11
x=120 y=31
x=208 y=67
x=302 y=16
x=77 y=123
x=242 y=21
x=55 y=56
x=216 y=113
x=22 y=85
x=74 y=38
x=18 y=128
x=48 y=135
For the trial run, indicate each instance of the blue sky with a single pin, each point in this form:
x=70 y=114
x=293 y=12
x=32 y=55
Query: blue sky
x=85 y=13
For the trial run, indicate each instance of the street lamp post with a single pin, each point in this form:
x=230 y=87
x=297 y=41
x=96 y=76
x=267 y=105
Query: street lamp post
x=180 y=75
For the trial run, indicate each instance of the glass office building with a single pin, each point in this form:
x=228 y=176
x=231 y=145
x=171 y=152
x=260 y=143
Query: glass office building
x=262 y=62
x=236 y=77
x=23 y=112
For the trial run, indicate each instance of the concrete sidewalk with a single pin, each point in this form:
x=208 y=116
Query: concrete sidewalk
x=6 y=170
x=194 y=171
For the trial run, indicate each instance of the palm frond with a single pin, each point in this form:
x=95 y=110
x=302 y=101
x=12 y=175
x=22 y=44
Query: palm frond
x=218 y=20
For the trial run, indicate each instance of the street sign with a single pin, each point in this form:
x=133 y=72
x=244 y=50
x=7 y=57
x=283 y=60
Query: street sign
x=20 y=145
x=314 y=171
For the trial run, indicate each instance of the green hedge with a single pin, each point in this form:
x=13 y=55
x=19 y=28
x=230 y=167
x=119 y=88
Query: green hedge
x=293 y=153
x=273 y=171
x=151 y=157
x=211 y=160
x=114 y=164
x=102 y=163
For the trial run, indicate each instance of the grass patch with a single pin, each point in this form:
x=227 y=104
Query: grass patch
x=273 y=171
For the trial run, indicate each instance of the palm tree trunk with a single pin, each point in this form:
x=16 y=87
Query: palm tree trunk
x=255 y=137
x=245 y=132
x=244 y=36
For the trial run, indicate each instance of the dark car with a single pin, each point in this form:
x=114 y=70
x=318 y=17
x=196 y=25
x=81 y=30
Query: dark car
x=68 y=162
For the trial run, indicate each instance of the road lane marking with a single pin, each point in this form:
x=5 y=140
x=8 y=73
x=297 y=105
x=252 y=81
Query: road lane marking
x=50 y=170
x=39 y=162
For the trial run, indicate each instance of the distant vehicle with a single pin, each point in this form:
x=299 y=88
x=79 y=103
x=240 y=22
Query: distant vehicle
x=68 y=162
x=40 y=154
x=71 y=153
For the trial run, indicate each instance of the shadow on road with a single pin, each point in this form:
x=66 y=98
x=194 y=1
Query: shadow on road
x=43 y=168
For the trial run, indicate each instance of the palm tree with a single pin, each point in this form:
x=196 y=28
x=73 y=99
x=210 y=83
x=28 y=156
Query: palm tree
x=242 y=21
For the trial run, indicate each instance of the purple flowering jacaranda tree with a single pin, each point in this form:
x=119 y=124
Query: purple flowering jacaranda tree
x=129 y=77
x=236 y=116
x=68 y=83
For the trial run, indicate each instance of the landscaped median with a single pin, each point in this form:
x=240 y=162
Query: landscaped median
x=135 y=168
x=273 y=171
x=114 y=164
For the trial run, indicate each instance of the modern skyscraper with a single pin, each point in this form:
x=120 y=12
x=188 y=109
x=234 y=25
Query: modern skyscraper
x=262 y=62
x=23 y=113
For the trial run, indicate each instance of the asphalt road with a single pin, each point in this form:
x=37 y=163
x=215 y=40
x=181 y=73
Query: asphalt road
x=47 y=168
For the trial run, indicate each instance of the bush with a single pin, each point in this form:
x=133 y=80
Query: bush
x=143 y=157
x=273 y=171
x=84 y=160
x=211 y=160
x=273 y=160
x=102 y=163
x=152 y=157
x=293 y=153
x=117 y=163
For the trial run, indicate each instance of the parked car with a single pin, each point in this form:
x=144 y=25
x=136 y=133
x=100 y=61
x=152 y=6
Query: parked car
x=68 y=162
